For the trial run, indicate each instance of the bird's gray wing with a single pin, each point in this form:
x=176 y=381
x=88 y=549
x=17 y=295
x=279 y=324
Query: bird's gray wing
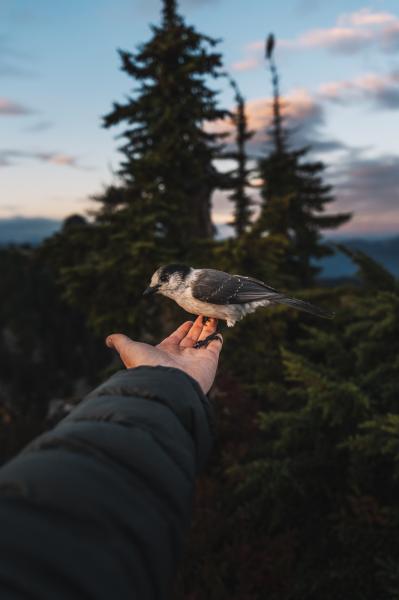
x=218 y=287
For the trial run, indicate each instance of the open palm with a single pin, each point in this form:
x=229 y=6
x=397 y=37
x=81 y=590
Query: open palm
x=175 y=351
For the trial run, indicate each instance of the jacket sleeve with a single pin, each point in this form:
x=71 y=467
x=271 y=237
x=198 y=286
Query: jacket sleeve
x=97 y=507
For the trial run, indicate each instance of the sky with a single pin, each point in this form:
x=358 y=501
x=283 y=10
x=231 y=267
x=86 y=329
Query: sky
x=339 y=67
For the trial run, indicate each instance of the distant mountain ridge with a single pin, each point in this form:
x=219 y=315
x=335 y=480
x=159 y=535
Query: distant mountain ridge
x=26 y=230
x=383 y=250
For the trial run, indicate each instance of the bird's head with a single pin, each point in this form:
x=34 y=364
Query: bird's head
x=167 y=280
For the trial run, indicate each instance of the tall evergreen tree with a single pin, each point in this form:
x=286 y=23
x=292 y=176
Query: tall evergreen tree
x=294 y=194
x=159 y=211
x=168 y=155
x=239 y=196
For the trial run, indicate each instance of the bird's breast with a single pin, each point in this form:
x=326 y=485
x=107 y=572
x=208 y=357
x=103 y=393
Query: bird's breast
x=197 y=307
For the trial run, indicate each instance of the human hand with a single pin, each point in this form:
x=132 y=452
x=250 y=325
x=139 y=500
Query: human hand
x=175 y=351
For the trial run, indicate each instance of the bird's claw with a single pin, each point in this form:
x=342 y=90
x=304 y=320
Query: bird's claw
x=204 y=343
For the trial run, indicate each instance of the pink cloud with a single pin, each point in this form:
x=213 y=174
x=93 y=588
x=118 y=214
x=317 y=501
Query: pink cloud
x=351 y=33
x=337 y=38
x=246 y=65
x=298 y=106
x=257 y=45
x=58 y=159
x=366 y=224
x=390 y=37
x=334 y=90
x=300 y=109
x=9 y=156
x=365 y=16
x=8 y=107
x=381 y=90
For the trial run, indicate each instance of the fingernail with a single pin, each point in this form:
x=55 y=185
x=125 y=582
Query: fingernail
x=108 y=341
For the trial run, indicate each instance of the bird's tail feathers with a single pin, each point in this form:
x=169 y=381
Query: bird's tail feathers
x=304 y=306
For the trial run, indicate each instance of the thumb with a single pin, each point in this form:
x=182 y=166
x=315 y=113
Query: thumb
x=124 y=347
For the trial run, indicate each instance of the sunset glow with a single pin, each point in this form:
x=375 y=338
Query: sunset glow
x=339 y=67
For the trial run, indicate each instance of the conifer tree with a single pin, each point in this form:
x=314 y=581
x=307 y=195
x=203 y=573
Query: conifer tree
x=294 y=196
x=168 y=156
x=318 y=482
x=159 y=211
x=240 y=176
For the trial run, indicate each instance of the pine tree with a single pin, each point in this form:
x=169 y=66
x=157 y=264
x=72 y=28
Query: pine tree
x=318 y=482
x=240 y=176
x=294 y=195
x=168 y=155
x=159 y=211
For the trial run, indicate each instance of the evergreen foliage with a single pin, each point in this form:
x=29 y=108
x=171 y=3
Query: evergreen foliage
x=306 y=479
x=160 y=210
x=294 y=196
x=299 y=501
x=168 y=155
x=240 y=177
x=46 y=349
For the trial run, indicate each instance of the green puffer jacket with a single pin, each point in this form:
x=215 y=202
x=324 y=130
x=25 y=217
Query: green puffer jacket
x=97 y=508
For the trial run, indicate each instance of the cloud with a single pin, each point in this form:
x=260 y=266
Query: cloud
x=321 y=146
x=222 y=208
x=382 y=91
x=351 y=33
x=247 y=64
x=341 y=39
x=57 y=158
x=254 y=58
x=304 y=116
x=370 y=188
x=39 y=127
x=7 y=158
x=11 y=108
x=371 y=183
x=390 y=40
x=365 y=16
x=299 y=109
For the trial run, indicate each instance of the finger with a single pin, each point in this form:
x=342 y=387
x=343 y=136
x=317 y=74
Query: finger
x=215 y=346
x=124 y=347
x=193 y=334
x=209 y=328
x=177 y=336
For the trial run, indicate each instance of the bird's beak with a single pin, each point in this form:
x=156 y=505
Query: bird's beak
x=151 y=290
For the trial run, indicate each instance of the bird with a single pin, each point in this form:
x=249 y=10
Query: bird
x=219 y=295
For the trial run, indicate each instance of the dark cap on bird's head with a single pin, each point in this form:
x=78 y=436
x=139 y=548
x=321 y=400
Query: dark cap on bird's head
x=166 y=274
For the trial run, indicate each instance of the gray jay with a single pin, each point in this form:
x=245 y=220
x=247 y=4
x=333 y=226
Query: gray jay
x=216 y=294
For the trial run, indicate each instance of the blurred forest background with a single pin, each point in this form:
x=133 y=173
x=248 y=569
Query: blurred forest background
x=300 y=500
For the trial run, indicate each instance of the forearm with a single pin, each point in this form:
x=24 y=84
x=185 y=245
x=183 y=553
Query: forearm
x=98 y=507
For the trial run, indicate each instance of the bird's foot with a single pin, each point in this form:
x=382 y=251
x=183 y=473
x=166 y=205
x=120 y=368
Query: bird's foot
x=204 y=343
